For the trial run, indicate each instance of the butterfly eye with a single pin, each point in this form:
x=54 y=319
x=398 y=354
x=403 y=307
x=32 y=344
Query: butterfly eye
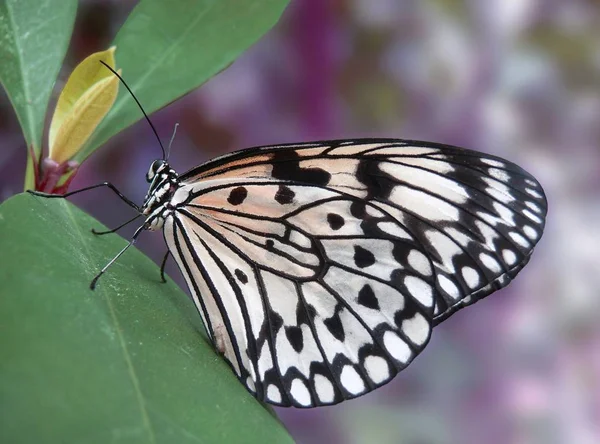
x=154 y=168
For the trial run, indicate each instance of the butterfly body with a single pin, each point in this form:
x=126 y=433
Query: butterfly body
x=320 y=269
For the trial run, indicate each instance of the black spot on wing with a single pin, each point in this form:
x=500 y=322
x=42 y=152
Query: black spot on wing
x=363 y=257
x=335 y=221
x=379 y=184
x=401 y=251
x=284 y=195
x=334 y=325
x=241 y=276
x=294 y=335
x=237 y=195
x=367 y=298
x=286 y=166
x=276 y=321
x=358 y=209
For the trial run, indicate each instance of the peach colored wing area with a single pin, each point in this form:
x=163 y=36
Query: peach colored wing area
x=257 y=165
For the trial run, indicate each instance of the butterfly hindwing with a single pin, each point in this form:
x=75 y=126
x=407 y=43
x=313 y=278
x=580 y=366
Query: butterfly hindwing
x=320 y=269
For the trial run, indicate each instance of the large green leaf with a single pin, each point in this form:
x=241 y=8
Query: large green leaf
x=168 y=48
x=34 y=35
x=125 y=363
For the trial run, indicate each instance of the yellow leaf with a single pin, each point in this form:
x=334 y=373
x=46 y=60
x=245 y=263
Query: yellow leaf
x=86 y=98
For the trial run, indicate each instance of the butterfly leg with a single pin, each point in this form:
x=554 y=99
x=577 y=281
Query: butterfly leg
x=131 y=242
x=99 y=233
x=162 y=267
x=103 y=184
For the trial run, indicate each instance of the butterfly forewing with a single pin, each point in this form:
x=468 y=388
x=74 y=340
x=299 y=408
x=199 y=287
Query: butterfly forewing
x=320 y=269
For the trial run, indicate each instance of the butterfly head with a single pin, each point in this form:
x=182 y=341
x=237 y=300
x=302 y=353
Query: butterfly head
x=157 y=167
x=163 y=182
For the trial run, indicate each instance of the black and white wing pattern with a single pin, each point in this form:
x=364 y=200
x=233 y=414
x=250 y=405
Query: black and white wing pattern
x=320 y=269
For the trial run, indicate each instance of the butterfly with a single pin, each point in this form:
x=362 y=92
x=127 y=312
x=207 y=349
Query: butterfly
x=320 y=269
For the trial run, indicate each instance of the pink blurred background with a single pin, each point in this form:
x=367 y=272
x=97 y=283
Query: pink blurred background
x=519 y=79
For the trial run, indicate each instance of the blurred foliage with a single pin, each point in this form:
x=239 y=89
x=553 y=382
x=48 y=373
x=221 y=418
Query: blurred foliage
x=32 y=48
x=383 y=425
x=574 y=51
x=167 y=49
x=374 y=94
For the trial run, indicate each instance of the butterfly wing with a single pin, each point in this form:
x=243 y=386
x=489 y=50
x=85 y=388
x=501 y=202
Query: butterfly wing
x=320 y=269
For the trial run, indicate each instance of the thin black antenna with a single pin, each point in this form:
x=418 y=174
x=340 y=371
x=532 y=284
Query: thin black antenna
x=140 y=105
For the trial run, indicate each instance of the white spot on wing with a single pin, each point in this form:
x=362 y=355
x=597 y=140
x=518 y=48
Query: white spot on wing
x=499 y=174
x=419 y=262
x=448 y=286
x=533 y=193
x=491 y=263
x=530 y=232
x=396 y=347
x=377 y=368
x=498 y=190
x=491 y=162
x=416 y=329
x=509 y=257
x=351 y=380
x=533 y=206
x=470 y=276
x=324 y=389
x=300 y=393
x=273 y=394
x=520 y=240
x=532 y=216
x=420 y=290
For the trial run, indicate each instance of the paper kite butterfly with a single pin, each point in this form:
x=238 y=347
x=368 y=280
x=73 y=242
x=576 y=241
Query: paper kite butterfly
x=320 y=269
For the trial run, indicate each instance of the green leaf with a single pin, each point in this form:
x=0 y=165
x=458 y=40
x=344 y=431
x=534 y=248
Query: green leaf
x=34 y=35
x=125 y=363
x=166 y=49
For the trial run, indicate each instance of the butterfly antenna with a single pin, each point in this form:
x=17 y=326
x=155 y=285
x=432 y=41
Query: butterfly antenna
x=140 y=105
x=171 y=141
